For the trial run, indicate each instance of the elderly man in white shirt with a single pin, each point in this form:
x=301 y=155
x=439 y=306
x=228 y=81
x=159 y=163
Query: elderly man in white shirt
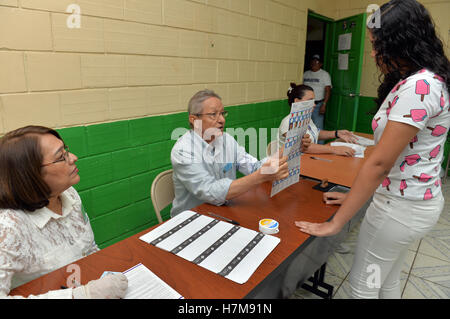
x=205 y=159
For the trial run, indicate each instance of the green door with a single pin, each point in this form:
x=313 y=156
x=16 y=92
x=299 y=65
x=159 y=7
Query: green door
x=344 y=59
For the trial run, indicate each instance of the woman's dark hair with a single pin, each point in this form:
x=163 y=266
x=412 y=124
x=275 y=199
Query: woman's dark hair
x=405 y=43
x=21 y=183
x=297 y=92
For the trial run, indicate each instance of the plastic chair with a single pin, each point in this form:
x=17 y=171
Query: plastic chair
x=272 y=147
x=162 y=192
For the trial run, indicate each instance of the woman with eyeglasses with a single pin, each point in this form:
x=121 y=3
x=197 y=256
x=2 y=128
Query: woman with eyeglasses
x=42 y=223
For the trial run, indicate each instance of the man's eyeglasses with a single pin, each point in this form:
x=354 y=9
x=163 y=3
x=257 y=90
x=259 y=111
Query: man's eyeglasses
x=64 y=157
x=215 y=115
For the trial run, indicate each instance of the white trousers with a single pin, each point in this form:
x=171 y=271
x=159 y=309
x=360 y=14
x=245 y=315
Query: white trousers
x=390 y=226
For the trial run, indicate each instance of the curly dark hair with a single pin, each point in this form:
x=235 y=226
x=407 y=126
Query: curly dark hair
x=406 y=43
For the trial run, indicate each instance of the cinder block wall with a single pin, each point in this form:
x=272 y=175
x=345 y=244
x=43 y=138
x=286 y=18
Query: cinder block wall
x=136 y=58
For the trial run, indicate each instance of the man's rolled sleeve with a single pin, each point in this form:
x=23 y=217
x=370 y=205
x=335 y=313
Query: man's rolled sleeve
x=246 y=163
x=202 y=184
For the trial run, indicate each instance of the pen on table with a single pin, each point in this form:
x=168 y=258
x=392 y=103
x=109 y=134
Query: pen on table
x=224 y=218
x=320 y=159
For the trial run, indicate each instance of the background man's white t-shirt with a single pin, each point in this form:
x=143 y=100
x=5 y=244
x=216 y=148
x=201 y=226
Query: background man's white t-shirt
x=318 y=81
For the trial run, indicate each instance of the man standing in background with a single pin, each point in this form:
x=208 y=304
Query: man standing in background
x=320 y=81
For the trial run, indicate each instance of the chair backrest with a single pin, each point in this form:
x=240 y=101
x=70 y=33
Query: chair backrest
x=272 y=147
x=162 y=192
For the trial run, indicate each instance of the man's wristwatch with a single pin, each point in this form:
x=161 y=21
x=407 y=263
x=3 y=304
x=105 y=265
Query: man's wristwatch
x=336 y=134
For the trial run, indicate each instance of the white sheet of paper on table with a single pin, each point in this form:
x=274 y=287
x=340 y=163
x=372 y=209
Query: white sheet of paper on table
x=144 y=284
x=224 y=254
x=201 y=244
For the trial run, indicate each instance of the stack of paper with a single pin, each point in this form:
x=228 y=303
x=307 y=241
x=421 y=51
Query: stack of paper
x=144 y=284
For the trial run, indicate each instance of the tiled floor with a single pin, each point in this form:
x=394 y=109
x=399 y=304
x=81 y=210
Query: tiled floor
x=426 y=271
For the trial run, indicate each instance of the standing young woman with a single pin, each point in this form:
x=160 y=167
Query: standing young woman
x=42 y=224
x=410 y=129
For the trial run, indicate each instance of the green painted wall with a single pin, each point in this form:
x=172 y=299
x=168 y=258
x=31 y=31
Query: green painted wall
x=446 y=153
x=118 y=162
x=366 y=112
x=342 y=117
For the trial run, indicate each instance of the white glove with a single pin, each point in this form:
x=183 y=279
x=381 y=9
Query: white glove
x=109 y=287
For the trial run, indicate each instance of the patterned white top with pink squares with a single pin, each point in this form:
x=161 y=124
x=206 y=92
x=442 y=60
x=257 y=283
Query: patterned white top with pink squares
x=421 y=100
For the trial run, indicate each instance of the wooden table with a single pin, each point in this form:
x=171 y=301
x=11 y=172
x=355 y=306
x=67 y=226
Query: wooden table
x=341 y=170
x=298 y=202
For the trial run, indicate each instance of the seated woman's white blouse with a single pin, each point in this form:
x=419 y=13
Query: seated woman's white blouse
x=35 y=243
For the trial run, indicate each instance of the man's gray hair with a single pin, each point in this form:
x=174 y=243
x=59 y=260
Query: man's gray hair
x=195 y=105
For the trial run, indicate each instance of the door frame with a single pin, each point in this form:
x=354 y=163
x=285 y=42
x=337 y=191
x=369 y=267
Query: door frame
x=357 y=93
x=327 y=56
x=312 y=14
x=362 y=48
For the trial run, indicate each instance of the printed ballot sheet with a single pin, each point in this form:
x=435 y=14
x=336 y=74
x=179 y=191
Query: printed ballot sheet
x=299 y=119
x=231 y=251
x=144 y=284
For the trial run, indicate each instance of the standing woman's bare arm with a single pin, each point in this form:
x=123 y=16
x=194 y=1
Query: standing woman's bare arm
x=395 y=138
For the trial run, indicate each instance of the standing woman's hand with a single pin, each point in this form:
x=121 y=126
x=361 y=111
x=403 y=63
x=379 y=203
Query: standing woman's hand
x=319 y=229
